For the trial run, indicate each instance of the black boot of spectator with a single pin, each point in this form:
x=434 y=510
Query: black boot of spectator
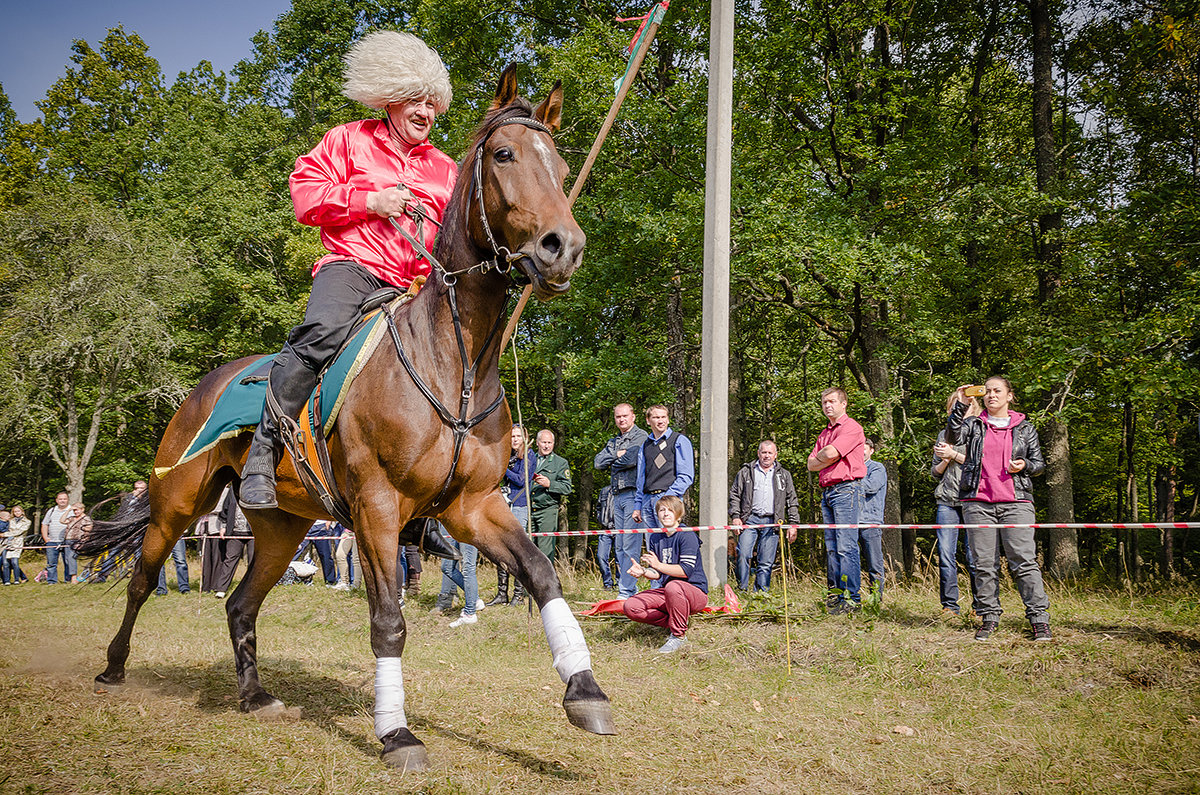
x=501 y=596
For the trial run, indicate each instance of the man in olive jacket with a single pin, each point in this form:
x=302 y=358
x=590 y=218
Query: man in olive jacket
x=551 y=482
x=762 y=493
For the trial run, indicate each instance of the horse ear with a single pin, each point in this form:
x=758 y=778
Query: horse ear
x=549 y=112
x=506 y=89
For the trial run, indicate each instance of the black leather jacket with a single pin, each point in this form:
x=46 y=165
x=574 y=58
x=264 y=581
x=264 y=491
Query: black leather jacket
x=969 y=431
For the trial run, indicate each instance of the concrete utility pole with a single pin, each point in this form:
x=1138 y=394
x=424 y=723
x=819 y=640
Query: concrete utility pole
x=714 y=380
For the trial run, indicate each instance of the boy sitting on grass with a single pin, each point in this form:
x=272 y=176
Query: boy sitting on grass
x=680 y=587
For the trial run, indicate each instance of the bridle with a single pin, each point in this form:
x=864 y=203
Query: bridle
x=501 y=262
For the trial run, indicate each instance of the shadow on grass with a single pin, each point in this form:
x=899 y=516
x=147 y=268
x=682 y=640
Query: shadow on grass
x=1162 y=637
x=533 y=764
x=321 y=699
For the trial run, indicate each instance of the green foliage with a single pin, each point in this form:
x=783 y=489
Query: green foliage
x=90 y=307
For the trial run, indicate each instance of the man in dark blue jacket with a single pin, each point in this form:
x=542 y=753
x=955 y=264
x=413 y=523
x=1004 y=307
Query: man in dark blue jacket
x=620 y=459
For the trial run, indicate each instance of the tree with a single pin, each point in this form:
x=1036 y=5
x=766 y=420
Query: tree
x=90 y=304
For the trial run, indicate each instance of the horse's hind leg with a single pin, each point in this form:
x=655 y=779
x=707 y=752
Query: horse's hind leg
x=277 y=535
x=156 y=547
x=492 y=527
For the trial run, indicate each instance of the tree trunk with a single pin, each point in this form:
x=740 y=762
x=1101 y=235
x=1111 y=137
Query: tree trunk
x=1131 y=492
x=1166 y=511
x=1048 y=243
x=677 y=354
x=1062 y=544
x=579 y=550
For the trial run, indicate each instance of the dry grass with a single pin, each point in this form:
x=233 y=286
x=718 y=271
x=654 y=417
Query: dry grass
x=1110 y=705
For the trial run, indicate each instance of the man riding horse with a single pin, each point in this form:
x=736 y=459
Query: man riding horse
x=354 y=184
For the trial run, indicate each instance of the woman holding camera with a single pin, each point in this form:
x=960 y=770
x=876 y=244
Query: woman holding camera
x=1002 y=452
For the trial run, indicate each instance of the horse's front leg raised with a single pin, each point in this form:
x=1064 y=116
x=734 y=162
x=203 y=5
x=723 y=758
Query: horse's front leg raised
x=493 y=528
x=378 y=540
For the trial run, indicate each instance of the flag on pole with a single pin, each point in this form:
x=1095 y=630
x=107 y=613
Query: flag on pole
x=655 y=15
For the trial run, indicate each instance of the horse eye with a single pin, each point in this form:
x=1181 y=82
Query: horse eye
x=503 y=154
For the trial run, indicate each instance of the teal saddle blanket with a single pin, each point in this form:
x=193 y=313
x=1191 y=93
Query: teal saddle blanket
x=240 y=405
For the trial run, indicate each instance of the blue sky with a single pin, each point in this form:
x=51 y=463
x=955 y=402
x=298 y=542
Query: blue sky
x=35 y=37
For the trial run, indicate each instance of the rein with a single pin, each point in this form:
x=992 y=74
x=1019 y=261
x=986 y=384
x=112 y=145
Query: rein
x=461 y=425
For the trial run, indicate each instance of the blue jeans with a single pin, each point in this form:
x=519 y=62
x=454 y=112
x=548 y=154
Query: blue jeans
x=629 y=545
x=871 y=541
x=767 y=541
x=53 y=550
x=604 y=552
x=9 y=571
x=461 y=574
x=317 y=535
x=179 y=555
x=947 y=543
x=841 y=504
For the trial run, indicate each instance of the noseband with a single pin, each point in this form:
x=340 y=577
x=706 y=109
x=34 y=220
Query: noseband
x=501 y=262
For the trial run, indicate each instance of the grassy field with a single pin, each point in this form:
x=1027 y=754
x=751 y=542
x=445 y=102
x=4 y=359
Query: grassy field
x=898 y=702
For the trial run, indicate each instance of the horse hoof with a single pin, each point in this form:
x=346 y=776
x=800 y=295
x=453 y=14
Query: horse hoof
x=591 y=716
x=403 y=751
x=103 y=684
x=267 y=707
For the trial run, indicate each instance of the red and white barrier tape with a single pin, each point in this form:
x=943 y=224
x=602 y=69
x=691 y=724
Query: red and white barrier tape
x=1036 y=526
x=781 y=526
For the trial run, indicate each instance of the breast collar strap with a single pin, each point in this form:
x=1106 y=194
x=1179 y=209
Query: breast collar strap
x=502 y=262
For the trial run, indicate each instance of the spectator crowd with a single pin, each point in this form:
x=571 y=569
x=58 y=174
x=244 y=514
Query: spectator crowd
x=982 y=462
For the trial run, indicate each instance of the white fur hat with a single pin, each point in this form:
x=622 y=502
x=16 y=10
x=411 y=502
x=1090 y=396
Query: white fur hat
x=388 y=66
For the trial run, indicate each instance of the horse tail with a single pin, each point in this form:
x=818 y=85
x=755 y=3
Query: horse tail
x=121 y=537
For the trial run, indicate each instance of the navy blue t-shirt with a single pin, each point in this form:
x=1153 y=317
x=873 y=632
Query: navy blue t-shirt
x=681 y=549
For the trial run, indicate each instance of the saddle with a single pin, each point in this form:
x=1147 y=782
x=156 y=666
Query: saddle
x=239 y=407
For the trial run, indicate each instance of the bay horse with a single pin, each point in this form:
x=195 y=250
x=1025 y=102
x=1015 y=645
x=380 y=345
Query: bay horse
x=395 y=452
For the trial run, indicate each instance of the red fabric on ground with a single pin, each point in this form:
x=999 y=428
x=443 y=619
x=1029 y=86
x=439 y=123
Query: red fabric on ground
x=616 y=606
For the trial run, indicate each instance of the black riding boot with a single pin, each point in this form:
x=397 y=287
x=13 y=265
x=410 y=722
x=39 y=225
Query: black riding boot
x=291 y=382
x=424 y=533
x=501 y=596
x=518 y=597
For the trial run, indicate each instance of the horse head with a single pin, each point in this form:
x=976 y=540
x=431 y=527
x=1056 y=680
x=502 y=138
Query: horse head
x=519 y=176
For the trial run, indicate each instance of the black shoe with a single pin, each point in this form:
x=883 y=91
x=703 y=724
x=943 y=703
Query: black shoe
x=518 y=597
x=425 y=534
x=987 y=628
x=257 y=492
x=1042 y=632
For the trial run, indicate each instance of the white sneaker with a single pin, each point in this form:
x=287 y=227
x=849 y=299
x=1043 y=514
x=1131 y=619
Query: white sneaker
x=464 y=619
x=672 y=645
x=341 y=586
x=220 y=594
x=479 y=605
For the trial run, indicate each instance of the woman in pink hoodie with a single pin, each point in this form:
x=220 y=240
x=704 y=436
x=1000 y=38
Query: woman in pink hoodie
x=1002 y=452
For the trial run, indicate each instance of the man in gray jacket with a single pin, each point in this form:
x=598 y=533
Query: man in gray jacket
x=620 y=459
x=762 y=493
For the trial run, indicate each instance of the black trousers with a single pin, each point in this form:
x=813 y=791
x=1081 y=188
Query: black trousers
x=337 y=293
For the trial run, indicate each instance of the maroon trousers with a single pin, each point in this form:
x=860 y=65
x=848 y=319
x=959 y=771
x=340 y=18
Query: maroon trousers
x=669 y=606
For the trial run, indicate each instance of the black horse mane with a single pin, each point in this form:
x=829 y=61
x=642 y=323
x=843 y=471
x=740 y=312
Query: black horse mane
x=454 y=222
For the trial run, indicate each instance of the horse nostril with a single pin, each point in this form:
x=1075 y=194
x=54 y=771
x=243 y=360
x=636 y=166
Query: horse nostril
x=552 y=243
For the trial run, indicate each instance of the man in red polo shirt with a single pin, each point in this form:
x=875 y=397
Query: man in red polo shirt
x=838 y=456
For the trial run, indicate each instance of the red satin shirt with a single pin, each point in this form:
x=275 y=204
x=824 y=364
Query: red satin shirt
x=330 y=185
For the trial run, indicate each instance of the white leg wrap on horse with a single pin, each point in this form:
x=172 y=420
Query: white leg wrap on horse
x=570 y=651
x=389 y=697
